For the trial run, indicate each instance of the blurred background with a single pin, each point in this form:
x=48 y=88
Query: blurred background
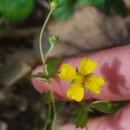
x=83 y=26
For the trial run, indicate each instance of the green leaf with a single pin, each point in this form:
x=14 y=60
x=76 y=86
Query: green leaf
x=102 y=106
x=51 y=66
x=81 y=118
x=64 y=11
x=107 y=107
x=16 y=10
x=40 y=75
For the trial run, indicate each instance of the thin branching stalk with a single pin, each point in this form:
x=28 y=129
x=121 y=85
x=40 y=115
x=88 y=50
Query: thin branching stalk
x=44 y=58
x=50 y=49
x=40 y=38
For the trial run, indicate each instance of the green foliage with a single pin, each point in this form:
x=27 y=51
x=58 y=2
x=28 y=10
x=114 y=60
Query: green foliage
x=66 y=7
x=40 y=75
x=107 y=107
x=81 y=117
x=63 y=11
x=16 y=10
x=51 y=66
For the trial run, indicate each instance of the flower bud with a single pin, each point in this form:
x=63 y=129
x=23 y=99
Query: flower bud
x=54 y=4
x=53 y=39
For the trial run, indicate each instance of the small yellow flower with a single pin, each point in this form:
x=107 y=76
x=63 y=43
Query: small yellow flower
x=81 y=79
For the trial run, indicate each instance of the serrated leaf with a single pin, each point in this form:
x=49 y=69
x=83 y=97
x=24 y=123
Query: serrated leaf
x=51 y=66
x=107 y=107
x=16 y=10
x=80 y=118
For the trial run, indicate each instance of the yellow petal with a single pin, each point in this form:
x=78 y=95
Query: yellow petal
x=87 y=66
x=76 y=92
x=94 y=84
x=67 y=72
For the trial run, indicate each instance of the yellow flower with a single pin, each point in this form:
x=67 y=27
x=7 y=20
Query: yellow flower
x=81 y=79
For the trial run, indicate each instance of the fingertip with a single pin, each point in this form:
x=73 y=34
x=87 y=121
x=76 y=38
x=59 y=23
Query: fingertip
x=59 y=87
x=38 y=83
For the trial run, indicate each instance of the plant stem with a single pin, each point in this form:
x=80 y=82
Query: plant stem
x=41 y=34
x=50 y=49
x=48 y=117
x=53 y=104
x=44 y=58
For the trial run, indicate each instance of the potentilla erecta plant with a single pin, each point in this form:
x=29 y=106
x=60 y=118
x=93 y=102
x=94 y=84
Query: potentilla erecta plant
x=81 y=79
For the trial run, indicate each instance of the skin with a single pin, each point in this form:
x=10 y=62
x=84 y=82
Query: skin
x=114 y=66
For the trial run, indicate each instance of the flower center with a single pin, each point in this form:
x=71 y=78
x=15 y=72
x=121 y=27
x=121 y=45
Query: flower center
x=80 y=78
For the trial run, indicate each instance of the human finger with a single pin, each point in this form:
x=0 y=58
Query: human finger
x=112 y=64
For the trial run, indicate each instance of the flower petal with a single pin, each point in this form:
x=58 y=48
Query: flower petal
x=76 y=92
x=94 y=84
x=87 y=66
x=67 y=72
